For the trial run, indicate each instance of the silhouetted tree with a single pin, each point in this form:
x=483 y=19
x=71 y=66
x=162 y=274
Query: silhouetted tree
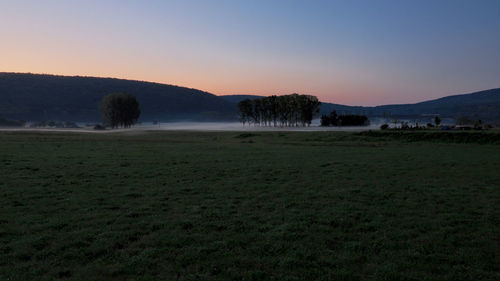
x=257 y=111
x=120 y=109
x=325 y=120
x=437 y=120
x=273 y=109
x=308 y=107
x=334 y=119
x=245 y=110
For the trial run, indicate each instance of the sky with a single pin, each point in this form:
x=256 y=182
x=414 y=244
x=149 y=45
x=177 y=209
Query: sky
x=350 y=52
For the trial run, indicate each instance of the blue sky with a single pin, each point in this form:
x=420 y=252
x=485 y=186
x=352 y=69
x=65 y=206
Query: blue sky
x=352 y=52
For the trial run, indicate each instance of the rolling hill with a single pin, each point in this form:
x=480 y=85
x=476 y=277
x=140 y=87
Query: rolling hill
x=75 y=98
x=478 y=105
x=483 y=105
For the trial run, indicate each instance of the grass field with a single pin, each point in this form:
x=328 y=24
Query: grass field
x=249 y=206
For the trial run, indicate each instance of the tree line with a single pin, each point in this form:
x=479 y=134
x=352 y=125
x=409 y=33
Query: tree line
x=333 y=119
x=285 y=111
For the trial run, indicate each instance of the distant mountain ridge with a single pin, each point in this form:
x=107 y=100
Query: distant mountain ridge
x=25 y=96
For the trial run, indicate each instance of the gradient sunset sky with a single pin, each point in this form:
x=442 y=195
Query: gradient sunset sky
x=350 y=52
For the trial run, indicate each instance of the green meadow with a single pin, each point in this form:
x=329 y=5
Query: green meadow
x=250 y=206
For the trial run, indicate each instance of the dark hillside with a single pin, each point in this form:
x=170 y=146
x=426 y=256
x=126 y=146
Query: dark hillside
x=45 y=97
x=478 y=105
x=65 y=98
x=483 y=105
x=238 y=98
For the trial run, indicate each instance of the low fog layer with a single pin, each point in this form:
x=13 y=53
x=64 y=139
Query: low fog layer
x=235 y=126
x=203 y=126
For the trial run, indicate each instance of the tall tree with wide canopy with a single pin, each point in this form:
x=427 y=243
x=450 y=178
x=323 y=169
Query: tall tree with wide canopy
x=120 y=109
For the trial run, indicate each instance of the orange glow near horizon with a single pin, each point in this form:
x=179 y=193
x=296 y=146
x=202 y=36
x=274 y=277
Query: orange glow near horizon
x=220 y=81
x=342 y=53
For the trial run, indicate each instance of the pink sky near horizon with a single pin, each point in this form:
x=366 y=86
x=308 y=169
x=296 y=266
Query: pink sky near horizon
x=343 y=53
x=340 y=96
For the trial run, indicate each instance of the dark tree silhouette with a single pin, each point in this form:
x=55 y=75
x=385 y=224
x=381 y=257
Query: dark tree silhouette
x=245 y=110
x=344 y=120
x=120 y=109
x=334 y=118
x=325 y=121
x=257 y=111
x=289 y=110
x=437 y=121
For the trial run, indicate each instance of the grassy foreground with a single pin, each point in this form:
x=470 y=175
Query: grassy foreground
x=248 y=206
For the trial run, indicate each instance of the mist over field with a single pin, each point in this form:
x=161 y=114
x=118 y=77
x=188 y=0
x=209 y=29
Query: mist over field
x=204 y=126
x=236 y=126
x=375 y=124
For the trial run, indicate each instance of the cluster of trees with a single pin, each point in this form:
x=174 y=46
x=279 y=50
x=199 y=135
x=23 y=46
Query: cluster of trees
x=288 y=110
x=120 y=109
x=333 y=119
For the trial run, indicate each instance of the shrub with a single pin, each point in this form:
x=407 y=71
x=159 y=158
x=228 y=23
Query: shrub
x=384 y=127
x=344 y=120
x=353 y=120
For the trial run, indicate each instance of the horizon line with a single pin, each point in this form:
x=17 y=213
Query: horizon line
x=221 y=95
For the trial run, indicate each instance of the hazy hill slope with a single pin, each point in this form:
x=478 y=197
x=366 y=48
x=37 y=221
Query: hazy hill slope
x=483 y=104
x=479 y=105
x=65 y=98
x=237 y=98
